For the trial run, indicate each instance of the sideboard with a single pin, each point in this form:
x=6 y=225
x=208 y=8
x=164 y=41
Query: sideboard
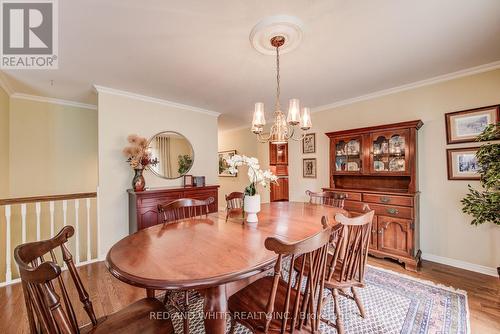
x=143 y=205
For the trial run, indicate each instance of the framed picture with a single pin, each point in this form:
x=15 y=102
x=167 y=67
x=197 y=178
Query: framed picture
x=223 y=166
x=309 y=168
x=309 y=143
x=464 y=126
x=188 y=180
x=462 y=163
x=199 y=181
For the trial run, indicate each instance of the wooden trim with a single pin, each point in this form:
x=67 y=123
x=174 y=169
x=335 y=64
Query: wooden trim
x=447 y=121
x=47 y=198
x=417 y=124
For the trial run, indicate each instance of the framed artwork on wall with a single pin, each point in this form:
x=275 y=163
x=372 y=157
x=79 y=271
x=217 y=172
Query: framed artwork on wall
x=462 y=163
x=223 y=166
x=464 y=126
x=309 y=168
x=309 y=143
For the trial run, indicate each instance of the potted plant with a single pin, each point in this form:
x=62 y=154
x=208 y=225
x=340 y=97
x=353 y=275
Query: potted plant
x=484 y=205
x=139 y=157
x=256 y=176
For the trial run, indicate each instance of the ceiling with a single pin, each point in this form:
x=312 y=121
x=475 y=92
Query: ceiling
x=197 y=52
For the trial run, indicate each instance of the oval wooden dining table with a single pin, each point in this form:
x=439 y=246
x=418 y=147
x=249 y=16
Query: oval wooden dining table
x=211 y=255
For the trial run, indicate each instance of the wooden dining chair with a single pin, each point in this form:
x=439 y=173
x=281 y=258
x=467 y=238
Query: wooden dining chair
x=330 y=198
x=346 y=265
x=234 y=204
x=283 y=306
x=184 y=208
x=172 y=212
x=48 y=305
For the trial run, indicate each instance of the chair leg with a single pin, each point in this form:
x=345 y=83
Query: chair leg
x=358 y=302
x=339 y=324
x=186 y=312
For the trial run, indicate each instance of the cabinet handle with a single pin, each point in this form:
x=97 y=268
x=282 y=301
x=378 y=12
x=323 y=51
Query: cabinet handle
x=392 y=211
x=385 y=199
x=380 y=231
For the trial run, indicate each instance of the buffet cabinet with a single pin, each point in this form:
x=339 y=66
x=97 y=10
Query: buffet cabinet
x=376 y=167
x=143 y=206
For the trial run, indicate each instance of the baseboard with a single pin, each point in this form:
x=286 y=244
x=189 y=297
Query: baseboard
x=461 y=264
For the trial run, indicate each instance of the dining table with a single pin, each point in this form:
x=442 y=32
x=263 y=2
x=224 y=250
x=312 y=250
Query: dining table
x=211 y=255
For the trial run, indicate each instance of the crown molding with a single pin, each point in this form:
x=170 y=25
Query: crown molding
x=242 y=127
x=431 y=81
x=108 y=90
x=68 y=103
x=5 y=85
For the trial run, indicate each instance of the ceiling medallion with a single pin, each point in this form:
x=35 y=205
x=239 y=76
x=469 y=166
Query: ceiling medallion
x=283 y=128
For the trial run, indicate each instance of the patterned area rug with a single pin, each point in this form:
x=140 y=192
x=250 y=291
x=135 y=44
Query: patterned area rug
x=394 y=303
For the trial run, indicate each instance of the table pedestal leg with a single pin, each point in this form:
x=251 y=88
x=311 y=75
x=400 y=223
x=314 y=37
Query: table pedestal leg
x=215 y=310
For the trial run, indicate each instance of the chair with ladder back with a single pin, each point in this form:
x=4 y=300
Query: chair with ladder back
x=48 y=304
x=234 y=204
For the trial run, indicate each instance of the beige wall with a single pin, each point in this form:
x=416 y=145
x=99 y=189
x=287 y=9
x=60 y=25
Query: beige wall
x=53 y=149
x=445 y=230
x=120 y=116
x=4 y=144
x=245 y=143
x=446 y=233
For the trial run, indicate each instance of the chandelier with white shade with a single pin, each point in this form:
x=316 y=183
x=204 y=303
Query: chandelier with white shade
x=284 y=128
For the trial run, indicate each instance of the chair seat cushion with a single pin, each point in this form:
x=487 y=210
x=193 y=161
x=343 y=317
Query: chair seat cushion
x=248 y=305
x=145 y=316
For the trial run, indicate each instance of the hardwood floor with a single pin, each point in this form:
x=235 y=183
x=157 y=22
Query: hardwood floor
x=109 y=295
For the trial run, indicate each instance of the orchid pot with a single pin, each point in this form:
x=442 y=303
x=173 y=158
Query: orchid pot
x=256 y=176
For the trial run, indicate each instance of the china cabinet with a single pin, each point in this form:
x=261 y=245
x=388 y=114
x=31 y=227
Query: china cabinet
x=377 y=168
x=278 y=161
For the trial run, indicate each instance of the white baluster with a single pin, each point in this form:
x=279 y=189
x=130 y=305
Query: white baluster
x=89 y=255
x=23 y=222
x=38 y=208
x=77 y=232
x=65 y=210
x=8 y=272
x=51 y=208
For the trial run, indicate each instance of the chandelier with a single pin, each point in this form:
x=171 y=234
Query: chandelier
x=284 y=128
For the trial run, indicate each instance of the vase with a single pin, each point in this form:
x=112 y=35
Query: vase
x=138 y=182
x=251 y=205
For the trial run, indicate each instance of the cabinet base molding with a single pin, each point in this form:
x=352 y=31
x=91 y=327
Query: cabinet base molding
x=411 y=263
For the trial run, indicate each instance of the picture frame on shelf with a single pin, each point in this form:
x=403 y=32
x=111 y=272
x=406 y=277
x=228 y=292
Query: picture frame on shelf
x=464 y=126
x=309 y=143
x=223 y=166
x=309 y=168
x=199 y=181
x=462 y=163
x=188 y=180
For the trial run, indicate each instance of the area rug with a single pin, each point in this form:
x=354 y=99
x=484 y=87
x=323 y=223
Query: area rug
x=394 y=303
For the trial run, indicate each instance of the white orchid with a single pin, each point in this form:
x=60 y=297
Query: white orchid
x=255 y=174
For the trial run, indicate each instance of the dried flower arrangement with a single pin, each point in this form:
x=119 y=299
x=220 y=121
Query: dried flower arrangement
x=138 y=153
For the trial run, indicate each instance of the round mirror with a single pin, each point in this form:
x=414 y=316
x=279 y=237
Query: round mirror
x=174 y=153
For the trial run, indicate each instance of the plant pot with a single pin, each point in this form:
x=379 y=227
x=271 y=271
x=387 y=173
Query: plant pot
x=251 y=205
x=138 y=182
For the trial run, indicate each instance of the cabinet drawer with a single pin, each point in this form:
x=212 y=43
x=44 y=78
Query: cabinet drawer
x=355 y=206
x=163 y=199
x=392 y=210
x=352 y=196
x=388 y=199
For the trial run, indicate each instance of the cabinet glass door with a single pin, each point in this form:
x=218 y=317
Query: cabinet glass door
x=348 y=155
x=390 y=152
